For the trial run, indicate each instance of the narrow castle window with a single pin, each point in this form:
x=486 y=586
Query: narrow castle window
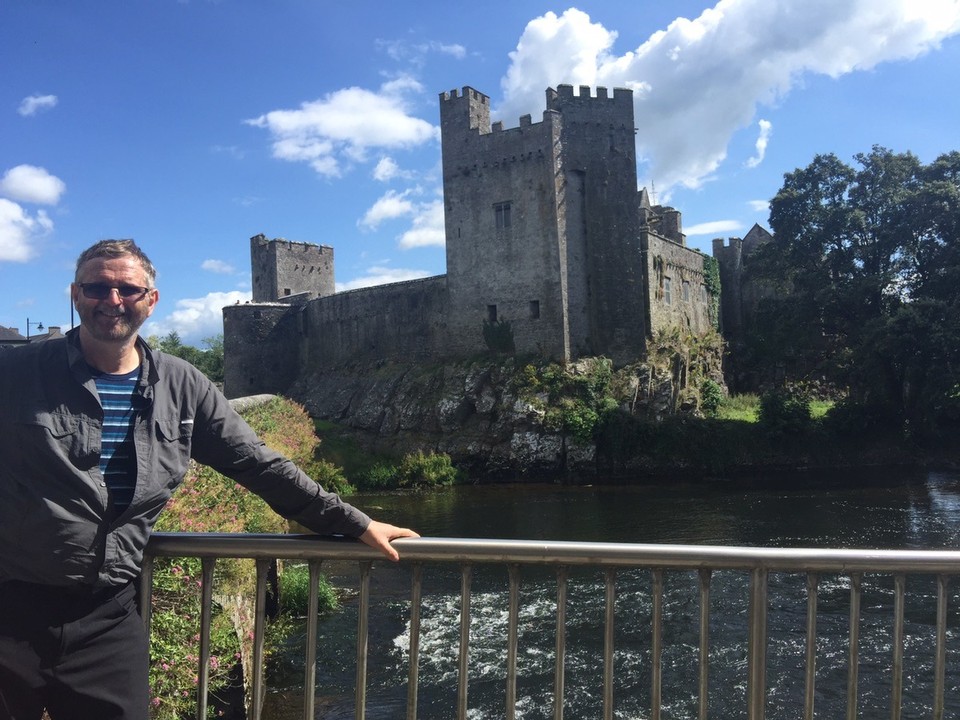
x=686 y=291
x=534 y=309
x=667 y=291
x=286 y=291
x=502 y=212
x=492 y=313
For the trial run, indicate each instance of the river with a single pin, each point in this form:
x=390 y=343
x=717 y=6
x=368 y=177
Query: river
x=862 y=510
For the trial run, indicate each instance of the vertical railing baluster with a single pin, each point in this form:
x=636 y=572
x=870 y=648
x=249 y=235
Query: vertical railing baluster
x=704 y=643
x=310 y=659
x=513 y=571
x=206 y=610
x=853 y=663
x=363 y=634
x=259 y=630
x=940 y=661
x=561 y=643
x=610 y=592
x=757 y=646
x=896 y=693
x=146 y=592
x=413 y=679
x=813 y=585
x=466 y=575
x=656 y=649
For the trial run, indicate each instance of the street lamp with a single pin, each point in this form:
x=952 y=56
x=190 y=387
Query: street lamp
x=39 y=326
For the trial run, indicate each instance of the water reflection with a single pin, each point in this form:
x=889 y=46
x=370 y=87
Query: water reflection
x=889 y=511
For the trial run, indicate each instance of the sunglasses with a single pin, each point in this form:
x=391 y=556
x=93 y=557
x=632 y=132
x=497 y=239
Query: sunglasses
x=101 y=291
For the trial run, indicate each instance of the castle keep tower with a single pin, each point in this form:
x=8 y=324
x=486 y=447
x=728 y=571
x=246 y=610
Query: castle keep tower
x=542 y=224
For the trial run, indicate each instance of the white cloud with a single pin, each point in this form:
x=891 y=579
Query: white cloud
x=28 y=183
x=195 y=318
x=763 y=138
x=36 y=103
x=387 y=207
x=714 y=228
x=415 y=54
x=759 y=205
x=381 y=276
x=700 y=81
x=19 y=230
x=338 y=130
x=387 y=170
x=428 y=227
x=218 y=266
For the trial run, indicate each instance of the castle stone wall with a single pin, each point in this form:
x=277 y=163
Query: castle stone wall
x=676 y=293
x=261 y=348
x=403 y=321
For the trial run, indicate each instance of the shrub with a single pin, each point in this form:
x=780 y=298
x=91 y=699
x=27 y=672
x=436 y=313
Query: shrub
x=711 y=397
x=419 y=469
x=380 y=476
x=785 y=412
x=295 y=591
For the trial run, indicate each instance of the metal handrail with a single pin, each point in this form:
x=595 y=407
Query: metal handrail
x=758 y=561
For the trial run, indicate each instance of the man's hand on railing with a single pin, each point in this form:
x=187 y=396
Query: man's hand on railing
x=378 y=535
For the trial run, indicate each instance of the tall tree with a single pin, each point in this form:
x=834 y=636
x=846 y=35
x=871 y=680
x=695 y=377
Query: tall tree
x=865 y=264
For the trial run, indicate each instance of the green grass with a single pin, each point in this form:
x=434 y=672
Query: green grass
x=819 y=408
x=337 y=447
x=744 y=408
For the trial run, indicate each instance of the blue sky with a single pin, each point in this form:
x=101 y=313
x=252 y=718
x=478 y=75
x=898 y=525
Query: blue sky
x=193 y=125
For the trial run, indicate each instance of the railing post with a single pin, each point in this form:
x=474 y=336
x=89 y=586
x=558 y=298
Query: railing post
x=610 y=593
x=310 y=661
x=363 y=630
x=853 y=666
x=561 y=642
x=206 y=610
x=940 y=661
x=656 y=649
x=896 y=693
x=259 y=630
x=413 y=679
x=704 y=643
x=813 y=584
x=466 y=575
x=146 y=592
x=757 y=646
x=512 y=638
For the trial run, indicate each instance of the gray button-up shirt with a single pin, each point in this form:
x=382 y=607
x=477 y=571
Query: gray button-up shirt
x=56 y=523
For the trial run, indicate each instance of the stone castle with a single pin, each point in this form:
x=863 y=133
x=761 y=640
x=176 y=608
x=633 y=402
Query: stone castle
x=551 y=250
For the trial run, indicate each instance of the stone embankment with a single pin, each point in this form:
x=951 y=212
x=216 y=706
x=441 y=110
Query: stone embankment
x=487 y=416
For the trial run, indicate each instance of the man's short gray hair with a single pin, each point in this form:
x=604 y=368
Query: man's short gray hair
x=115 y=249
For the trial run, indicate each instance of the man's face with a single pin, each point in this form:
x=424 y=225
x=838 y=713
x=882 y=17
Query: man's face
x=114 y=318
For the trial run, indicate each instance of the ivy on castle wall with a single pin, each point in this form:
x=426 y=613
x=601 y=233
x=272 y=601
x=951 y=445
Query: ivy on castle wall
x=711 y=279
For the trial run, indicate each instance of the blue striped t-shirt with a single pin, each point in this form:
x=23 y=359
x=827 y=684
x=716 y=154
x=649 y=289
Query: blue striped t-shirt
x=118 y=461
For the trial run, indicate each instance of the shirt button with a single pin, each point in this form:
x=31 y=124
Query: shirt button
x=103 y=484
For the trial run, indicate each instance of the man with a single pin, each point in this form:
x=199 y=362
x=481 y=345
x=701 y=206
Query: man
x=95 y=433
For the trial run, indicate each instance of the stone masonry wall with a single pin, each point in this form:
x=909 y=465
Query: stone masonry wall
x=676 y=294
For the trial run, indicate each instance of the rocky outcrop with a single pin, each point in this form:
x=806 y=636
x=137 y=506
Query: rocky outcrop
x=494 y=418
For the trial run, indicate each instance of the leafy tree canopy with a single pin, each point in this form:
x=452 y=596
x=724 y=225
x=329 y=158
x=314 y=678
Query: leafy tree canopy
x=863 y=280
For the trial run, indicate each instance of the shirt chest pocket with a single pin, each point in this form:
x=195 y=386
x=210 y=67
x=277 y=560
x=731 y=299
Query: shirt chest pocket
x=174 y=438
x=43 y=436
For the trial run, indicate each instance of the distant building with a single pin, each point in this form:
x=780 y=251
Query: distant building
x=11 y=337
x=551 y=251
